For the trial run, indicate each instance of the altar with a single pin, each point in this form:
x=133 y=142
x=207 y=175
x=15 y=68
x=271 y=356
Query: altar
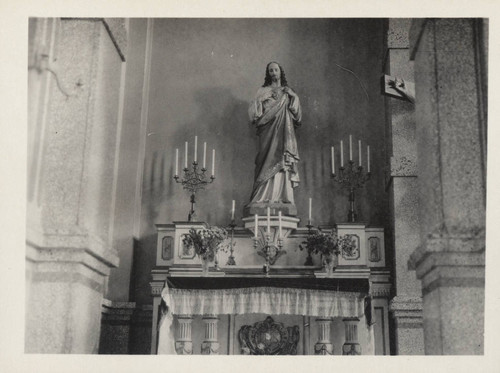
x=289 y=308
x=268 y=284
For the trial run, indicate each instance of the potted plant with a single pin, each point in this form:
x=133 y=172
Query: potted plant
x=206 y=243
x=327 y=244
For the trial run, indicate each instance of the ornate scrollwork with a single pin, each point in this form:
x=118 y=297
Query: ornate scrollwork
x=269 y=338
x=184 y=348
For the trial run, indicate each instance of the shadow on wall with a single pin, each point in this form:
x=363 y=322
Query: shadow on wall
x=223 y=123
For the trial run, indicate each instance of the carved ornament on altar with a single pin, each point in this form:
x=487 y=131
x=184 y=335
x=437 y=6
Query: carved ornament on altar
x=374 y=249
x=187 y=251
x=352 y=252
x=269 y=338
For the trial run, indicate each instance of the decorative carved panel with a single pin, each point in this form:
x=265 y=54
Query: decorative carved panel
x=269 y=338
x=374 y=249
x=186 y=252
x=352 y=253
x=167 y=249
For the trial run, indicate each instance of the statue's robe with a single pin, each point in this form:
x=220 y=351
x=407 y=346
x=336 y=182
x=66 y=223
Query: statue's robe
x=276 y=172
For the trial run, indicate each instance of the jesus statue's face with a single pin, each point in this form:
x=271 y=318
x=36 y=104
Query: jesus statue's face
x=274 y=72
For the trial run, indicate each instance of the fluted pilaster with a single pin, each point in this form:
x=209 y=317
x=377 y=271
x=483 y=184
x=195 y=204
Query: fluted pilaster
x=351 y=345
x=184 y=343
x=210 y=346
x=324 y=346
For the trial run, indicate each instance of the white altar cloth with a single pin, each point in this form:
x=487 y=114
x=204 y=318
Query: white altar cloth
x=267 y=300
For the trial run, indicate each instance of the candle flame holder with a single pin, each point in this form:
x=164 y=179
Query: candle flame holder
x=194 y=180
x=270 y=249
x=230 y=260
x=351 y=178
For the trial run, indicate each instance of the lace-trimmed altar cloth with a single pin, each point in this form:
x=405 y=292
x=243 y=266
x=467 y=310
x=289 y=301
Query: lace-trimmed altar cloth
x=267 y=300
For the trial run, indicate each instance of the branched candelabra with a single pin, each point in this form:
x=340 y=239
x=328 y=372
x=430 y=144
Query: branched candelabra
x=351 y=178
x=194 y=180
x=269 y=249
x=230 y=260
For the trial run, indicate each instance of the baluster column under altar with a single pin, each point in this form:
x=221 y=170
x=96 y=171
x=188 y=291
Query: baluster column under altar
x=324 y=346
x=210 y=346
x=184 y=343
x=351 y=345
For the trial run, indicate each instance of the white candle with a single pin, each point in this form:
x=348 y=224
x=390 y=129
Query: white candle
x=310 y=210
x=341 y=153
x=195 y=148
x=359 y=146
x=213 y=162
x=256 y=224
x=204 y=155
x=279 y=222
x=368 y=152
x=333 y=160
x=232 y=210
x=350 y=147
x=268 y=220
x=176 y=162
x=186 y=156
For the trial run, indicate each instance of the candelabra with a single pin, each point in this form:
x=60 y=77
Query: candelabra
x=194 y=180
x=352 y=178
x=230 y=260
x=269 y=249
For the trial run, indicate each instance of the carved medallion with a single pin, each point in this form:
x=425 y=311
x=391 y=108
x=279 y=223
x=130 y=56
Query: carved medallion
x=186 y=252
x=269 y=338
x=352 y=252
x=374 y=249
x=167 y=248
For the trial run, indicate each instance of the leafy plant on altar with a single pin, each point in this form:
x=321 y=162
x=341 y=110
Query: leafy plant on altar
x=207 y=241
x=327 y=243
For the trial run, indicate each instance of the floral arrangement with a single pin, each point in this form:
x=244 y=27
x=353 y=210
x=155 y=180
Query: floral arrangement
x=327 y=243
x=206 y=241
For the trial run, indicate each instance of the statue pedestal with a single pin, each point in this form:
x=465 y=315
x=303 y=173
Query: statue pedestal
x=260 y=209
x=287 y=223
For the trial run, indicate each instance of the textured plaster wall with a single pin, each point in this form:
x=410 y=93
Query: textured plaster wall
x=203 y=74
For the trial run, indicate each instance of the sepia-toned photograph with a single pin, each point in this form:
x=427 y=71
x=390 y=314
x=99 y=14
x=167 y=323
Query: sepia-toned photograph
x=256 y=186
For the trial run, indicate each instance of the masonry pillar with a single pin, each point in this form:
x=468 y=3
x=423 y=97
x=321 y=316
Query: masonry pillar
x=402 y=186
x=116 y=327
x=450 y=70
x=74 y=84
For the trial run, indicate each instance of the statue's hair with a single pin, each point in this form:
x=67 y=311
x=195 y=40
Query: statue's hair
x=268 y=81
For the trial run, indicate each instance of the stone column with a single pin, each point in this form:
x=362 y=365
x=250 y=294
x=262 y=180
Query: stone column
x=450 y=69
x=73 y=118
x=184 y=343
x=351 y=345
x=402 y=186
x=210 y=346
x=324 y=346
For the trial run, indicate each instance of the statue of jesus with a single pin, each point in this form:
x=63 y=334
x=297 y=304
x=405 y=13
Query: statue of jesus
x=276 y=113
